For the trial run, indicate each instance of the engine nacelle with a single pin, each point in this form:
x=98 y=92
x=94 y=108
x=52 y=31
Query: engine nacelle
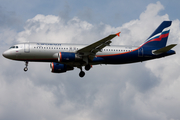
x=68 y=57
x=60 y=68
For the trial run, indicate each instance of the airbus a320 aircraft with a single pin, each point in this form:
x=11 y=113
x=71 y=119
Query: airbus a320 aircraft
x=64 y=57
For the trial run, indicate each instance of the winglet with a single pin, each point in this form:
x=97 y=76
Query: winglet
x=118 y=34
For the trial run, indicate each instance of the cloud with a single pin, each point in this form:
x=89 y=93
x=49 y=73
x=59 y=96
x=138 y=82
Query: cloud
x=147 y=90
x=53 y=29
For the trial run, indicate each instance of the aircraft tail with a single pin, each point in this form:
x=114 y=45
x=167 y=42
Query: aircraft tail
x=159 y=37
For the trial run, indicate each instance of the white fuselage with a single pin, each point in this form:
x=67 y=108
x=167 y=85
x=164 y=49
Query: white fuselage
x=48 y=52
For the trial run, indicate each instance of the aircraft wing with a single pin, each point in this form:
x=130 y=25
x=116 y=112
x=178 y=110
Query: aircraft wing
x=92 y=49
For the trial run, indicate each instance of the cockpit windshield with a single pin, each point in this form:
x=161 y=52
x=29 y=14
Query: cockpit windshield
x=12 y=47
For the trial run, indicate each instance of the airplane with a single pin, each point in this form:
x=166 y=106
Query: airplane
x=64 y=57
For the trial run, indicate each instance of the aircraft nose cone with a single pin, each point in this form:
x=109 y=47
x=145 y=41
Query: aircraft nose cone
x=6 y=54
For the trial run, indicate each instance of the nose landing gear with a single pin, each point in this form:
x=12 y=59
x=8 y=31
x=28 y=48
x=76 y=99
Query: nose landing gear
x=26 y=68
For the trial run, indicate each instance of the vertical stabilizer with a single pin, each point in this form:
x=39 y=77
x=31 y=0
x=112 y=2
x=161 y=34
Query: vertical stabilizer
x=159 y=37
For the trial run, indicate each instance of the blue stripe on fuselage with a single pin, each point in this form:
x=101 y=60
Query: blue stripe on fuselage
x=118 y=58
x=131 y=57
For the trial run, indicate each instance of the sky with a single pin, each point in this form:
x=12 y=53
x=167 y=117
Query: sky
x=138 y=91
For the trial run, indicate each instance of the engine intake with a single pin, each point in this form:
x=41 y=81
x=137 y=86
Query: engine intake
x=68 y=57
x=60 y=68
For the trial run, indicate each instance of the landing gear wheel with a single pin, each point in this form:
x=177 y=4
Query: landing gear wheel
x=87 y=67
x=26 y=64
x=25 y=69
x=81 y=74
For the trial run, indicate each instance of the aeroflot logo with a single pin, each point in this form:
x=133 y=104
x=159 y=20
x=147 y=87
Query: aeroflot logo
x=54 y=44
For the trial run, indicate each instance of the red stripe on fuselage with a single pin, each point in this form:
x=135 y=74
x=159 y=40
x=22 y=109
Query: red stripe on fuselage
x=114 y=54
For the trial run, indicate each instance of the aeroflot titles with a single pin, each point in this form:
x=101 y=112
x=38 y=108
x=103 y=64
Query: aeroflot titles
x=48 y=44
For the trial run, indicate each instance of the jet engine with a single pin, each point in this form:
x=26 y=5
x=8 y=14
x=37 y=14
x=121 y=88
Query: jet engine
x=68 y=57
x=60 y=68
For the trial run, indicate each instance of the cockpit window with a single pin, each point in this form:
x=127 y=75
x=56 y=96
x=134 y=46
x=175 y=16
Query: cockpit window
x=12 y=47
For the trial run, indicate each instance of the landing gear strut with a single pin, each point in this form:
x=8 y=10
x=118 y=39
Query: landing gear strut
x=26 y=68
x=82 y=73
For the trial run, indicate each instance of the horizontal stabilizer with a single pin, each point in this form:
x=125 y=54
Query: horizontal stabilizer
x=164 y=49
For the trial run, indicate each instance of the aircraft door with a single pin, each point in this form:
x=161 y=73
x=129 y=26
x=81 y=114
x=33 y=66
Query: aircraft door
x=26 y=48
x=140 y=52
x=70 y=49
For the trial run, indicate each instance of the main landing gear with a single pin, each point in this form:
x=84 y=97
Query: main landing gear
x=26 y=68
x=87 y=67
x=82 y=73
